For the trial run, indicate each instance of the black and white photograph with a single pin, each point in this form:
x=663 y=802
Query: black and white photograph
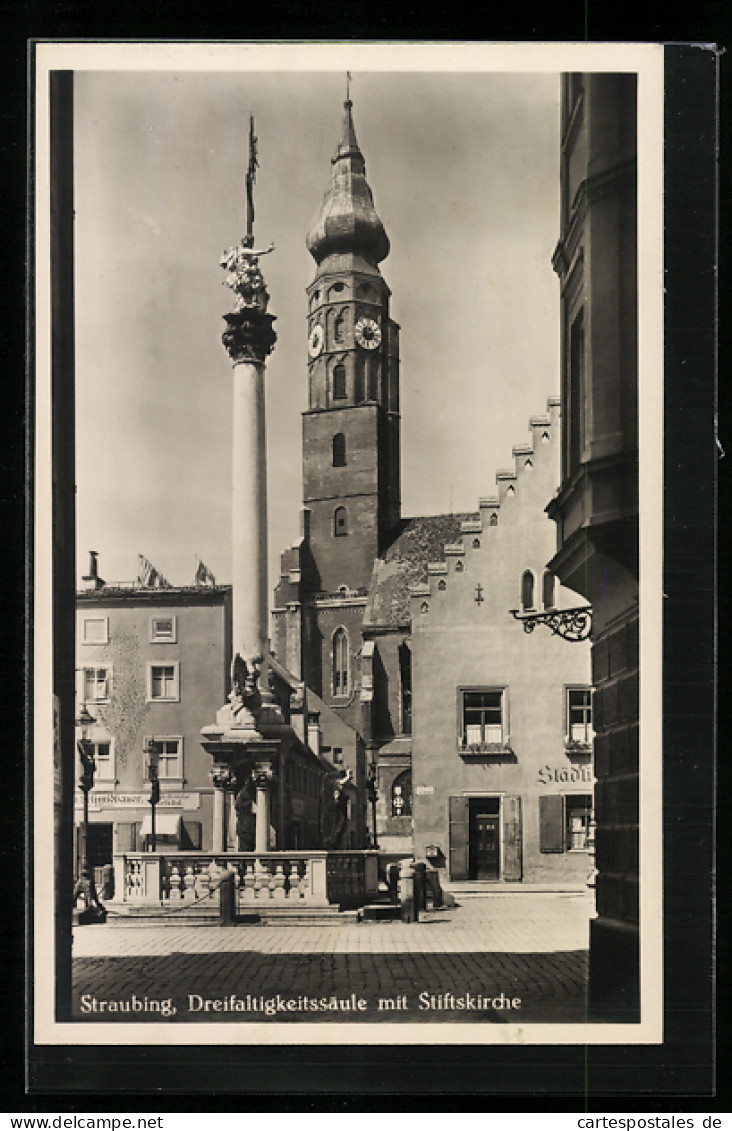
x=352 y=360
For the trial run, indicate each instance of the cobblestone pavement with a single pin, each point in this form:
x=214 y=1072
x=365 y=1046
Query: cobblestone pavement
x=467 y=963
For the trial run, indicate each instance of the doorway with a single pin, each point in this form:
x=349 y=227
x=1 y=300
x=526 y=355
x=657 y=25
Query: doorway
x=484 y=858
x=99 y=844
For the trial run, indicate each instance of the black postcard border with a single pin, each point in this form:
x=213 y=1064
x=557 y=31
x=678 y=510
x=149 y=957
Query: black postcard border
x=683 y=1065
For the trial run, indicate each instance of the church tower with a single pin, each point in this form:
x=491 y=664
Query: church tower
x=351 y=478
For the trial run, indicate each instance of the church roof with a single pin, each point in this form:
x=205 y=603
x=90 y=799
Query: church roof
x=347 y=220
x=417 y=541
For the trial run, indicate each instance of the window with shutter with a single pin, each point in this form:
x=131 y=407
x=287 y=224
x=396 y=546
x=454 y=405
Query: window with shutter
x=459 y=823
x=551 y=823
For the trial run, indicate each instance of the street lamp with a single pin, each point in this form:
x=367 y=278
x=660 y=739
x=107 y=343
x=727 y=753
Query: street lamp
x=85 y=891
x=153 y=750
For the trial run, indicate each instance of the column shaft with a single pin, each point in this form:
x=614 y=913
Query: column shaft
x=249 y=519
x=261 y=836
x=219 y=824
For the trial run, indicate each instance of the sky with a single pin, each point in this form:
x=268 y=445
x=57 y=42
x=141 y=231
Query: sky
x=464 y=169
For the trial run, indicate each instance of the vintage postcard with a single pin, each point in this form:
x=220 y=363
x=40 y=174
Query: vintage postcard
x=349 y=436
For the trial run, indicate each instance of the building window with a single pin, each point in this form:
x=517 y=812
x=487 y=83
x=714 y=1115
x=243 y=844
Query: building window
x=339 y=382
x=169 y=758
x=339 y=328
x=339 y=450
x=340 y=522
x=341 y=672
x=95 y=630
x=103 y=761
x=579 y=715
x=549 y=587
x=337 y=756
x=401 y=795
x=359 y=388
x=96 y=685
x=373 y=379
x=565 y=822
x=163 y=682
x=578 y=812
x=162 y=630
x=482 y=719
x=527 y=590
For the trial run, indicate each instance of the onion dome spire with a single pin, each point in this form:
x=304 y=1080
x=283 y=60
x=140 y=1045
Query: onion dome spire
x=347 y=221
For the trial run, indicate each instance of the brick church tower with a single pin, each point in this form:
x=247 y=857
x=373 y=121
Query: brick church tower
x=351 y=481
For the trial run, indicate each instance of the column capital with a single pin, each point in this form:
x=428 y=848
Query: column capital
x=222 y=777
x=263 y=775
x=249 y=335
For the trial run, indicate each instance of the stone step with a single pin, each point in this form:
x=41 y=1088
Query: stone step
x=373 y=912
x=125 y=915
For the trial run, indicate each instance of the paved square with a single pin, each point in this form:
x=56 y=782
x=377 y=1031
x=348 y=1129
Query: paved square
x=469 y=963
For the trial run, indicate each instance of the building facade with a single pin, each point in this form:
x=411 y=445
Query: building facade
x=596 y=508
x=501 y=761
x=152 y=665
x=428 y=688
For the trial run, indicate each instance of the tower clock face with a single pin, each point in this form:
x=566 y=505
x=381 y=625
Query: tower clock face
x=315 y=341
x=368 y=334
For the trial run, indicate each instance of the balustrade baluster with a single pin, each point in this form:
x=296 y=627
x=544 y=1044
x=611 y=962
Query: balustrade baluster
x=294 y=881
x=190 y=883
x=175 y=881
x=248 y=893
x=305 y=882
x=278 y=884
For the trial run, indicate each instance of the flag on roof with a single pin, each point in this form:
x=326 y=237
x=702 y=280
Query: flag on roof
x=148 y=576
x=204 y=575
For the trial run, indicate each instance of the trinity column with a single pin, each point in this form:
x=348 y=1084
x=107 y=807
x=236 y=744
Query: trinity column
x=242 y=752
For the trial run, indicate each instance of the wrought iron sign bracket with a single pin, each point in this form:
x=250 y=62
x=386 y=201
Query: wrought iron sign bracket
x=570 y=624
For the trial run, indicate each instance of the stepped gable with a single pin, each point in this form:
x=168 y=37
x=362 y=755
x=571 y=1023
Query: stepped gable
x=474 y=528
x=417 y=541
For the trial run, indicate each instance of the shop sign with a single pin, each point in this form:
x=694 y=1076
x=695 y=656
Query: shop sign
x=140 y=800
x=565 y=775
x=424 y=790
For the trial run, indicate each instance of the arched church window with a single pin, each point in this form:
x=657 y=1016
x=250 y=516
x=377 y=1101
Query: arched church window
x=549 y=590
x=373 y=379
x=339 y=382
x=340 y=522
x=401 y=795
x=359 y=384
x=339 y=450
x=341 y=672
x=339 y=328
x=527 y=590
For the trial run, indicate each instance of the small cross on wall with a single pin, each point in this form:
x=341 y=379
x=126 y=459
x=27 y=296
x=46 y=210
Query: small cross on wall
x=479 y=598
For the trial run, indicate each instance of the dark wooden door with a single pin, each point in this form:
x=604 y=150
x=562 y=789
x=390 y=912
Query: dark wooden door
x=485 y=844
x=99 y=844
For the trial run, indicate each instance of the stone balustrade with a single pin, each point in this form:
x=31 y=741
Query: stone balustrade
x=309 y=878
